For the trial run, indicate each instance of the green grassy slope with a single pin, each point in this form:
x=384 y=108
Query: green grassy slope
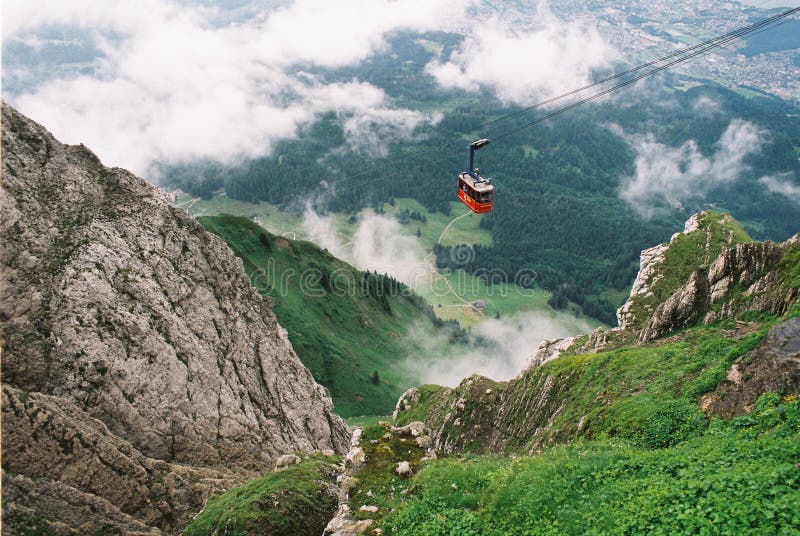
x=738 y=477
x=296 y=501
x=651 y=462
x=609 y=394
x=613 y=442
x=350 y=328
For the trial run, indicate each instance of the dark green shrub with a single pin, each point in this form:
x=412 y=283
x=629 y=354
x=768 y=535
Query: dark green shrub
x=673 y=422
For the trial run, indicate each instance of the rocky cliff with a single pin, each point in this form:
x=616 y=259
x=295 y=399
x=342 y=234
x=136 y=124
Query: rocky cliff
x=141 y=369
x=710 y=271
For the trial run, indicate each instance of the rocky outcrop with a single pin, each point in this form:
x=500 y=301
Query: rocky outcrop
x=772 y=367
x=651 y=268
x=548 y=350
x=121 y=311
x=749 y=269
x=664 y=267
x=701 y=275
x=649 y=260
x=686 y=305
x=53 y=446
x=342 y=523
x=44 y=506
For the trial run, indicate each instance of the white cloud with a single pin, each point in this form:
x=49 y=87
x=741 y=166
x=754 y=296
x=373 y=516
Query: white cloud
x=369 y=125
x=510 y=342
x=783 y=185
x=334 y=34
x=173 y=84
x=21 y=16
x=379 y=244
x=321 y=229
x=524 y=66
x=705 y=106
x=372 y=131
x=668 y=175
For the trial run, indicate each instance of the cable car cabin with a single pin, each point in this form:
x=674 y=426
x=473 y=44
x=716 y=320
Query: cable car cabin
x=477 y=195
x=473 y=190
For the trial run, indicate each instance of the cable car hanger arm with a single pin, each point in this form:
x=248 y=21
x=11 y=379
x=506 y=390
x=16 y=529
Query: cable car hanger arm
x=474 y=146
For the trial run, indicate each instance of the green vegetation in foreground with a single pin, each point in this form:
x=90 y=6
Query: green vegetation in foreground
x=613 y=394
x=351 y=329
x=377 y=483
x=739 y=477
x=298 y=500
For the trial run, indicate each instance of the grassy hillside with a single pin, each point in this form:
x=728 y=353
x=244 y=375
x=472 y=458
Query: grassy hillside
x=649 y=462
x=608 y=394
x=352 y=329
x=296 y=501
x=626 y=448
x=636 y=439
x=615 y=387
x=453 y=290
x=737 y=477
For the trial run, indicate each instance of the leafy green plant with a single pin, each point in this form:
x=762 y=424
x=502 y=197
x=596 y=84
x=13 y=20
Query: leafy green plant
x=674 y=421
x=736 y=477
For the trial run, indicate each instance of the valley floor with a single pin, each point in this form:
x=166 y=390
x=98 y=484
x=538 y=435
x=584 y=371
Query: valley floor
x=453 y=294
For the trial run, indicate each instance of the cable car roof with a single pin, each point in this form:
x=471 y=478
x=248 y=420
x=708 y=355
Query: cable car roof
x=476 y=185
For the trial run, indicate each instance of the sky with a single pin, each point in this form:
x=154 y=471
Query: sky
x=165 y=82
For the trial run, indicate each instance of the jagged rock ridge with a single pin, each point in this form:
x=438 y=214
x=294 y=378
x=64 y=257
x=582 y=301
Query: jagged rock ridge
x=710 y=271
x=122 y=317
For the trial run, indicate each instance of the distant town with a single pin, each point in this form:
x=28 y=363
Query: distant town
x=646 y=29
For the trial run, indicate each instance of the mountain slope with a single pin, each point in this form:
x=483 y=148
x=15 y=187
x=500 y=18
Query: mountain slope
x=124 y=321
x=613 y=432
x=591 y=385
x=352 y=329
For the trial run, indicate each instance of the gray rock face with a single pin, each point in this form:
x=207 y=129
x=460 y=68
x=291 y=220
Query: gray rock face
x=649 y=262
x=548 y=350
x=114 y=300
x=749 y=269
x=740 y=277
x=772 y=367
x=90 y=475
x=687 y=304
x=48 y=507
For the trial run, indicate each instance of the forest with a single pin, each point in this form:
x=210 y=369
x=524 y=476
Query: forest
x=558 y=212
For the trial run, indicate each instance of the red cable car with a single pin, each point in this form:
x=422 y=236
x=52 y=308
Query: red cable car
x=473 y=190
